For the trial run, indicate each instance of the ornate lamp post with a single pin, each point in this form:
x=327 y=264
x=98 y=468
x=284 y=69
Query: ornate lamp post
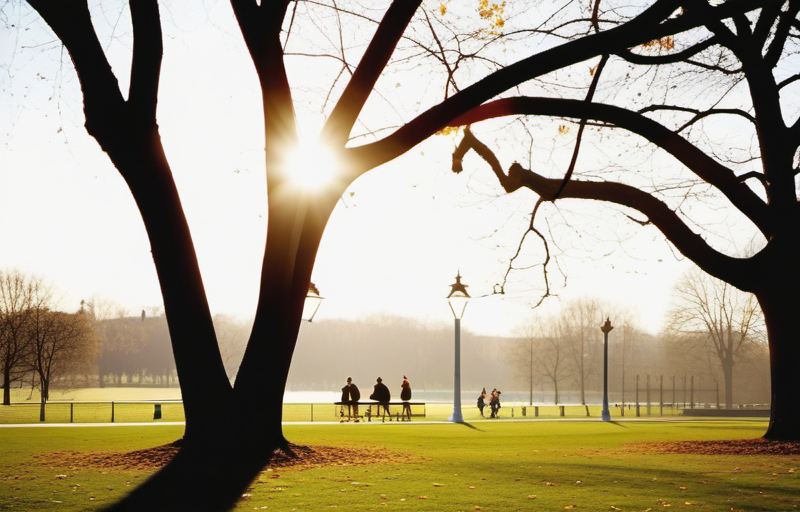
x=606 y=328
x=311 y=305
x=457 y=299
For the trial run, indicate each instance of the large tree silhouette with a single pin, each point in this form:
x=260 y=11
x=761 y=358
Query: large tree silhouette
x=221 y=453
x=751 y=61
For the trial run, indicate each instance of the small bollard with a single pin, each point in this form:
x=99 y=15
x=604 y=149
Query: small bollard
x=523 y=411
x=562 y=409
x=536 y=411
x=157 y=412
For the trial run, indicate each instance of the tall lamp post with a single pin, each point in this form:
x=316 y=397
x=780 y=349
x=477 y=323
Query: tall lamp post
x=606 y=328
x=311 y=305
x=457 y=299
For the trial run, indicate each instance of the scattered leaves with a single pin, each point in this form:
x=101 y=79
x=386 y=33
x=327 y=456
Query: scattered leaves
x=449 y=130
x=306 y=457
x=665 y=43
x=758 y=446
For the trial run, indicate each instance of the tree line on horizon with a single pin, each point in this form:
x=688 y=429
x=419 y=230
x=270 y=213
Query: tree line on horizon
x=555 y=358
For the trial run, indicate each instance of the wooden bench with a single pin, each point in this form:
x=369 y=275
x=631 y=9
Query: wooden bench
x=380 y=413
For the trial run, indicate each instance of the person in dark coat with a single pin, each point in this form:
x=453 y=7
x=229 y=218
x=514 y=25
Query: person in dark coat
x=405 y=396
x=482 y=401
x=494 y=403
x=351 y=395
x=382 y=394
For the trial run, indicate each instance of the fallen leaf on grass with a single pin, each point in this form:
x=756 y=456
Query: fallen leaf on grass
x=532 y=496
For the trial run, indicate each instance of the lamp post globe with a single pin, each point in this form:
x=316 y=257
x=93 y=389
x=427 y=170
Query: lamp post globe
x=457 y=299
x=312 y=303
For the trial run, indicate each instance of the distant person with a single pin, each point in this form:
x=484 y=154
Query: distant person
x=405 y=396
x=381 y=394
x=350 y=396
x=482 y=402
x=494 y=403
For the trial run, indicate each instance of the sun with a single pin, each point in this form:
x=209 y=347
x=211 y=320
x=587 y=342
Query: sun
x=310 y=166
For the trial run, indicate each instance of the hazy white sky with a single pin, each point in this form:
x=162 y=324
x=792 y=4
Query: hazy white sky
x=394 y=243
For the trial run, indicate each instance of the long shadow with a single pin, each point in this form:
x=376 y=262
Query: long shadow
x=208 y=480
x=470 y=425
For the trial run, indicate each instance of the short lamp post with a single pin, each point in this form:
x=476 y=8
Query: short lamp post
x=457 y=299
x=312 y=302
x=606 y=328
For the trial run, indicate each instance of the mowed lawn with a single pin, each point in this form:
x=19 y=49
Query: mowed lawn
x=501 y=465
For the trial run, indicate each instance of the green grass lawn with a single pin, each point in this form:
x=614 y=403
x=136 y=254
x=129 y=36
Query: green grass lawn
x=492 y=466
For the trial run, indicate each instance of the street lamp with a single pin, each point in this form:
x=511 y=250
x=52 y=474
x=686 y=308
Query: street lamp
x=606 y=328
x=311 y=305
x=457 y=299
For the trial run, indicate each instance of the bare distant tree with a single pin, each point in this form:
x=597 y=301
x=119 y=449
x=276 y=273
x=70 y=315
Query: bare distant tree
x=59 y=342
x=580 y=335
x=232 y=335
x=523 y=356
x=20 y=295
x=551 y=362
x=542 y=354
x=727 y=318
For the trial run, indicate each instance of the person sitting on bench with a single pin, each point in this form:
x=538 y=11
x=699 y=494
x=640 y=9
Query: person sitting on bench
x=381 y=394
x=351 y=396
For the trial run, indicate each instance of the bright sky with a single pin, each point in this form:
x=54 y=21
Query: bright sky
x=394 y=244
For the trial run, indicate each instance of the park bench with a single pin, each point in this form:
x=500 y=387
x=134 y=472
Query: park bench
x=365 y=408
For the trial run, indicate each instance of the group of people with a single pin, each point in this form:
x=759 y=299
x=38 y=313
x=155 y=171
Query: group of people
x=494 y=402
x=380 y=393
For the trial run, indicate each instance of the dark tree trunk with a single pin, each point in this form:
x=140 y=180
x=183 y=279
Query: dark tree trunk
x=6 y=386
x=727 y=372
x=780 y=315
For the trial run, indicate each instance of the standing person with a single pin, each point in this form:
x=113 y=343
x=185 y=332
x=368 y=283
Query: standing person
x=494 y=403
x=405 y=396
x=482 y=402
x=381 y=394
x=351 y=395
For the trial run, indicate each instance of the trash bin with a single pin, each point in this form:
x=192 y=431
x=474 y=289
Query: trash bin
x=157 y=412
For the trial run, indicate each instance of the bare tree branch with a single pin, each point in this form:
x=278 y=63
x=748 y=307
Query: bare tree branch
x=654 y=22
x=694 y=159
x=146 y=61
x=380 y=49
